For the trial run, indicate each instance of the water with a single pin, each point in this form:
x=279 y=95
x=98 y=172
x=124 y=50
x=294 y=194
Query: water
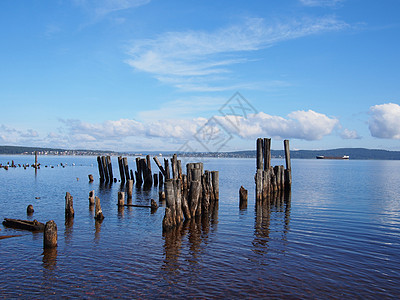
x=337 y=237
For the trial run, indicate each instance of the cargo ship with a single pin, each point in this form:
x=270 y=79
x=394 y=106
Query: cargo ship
x=333 y=157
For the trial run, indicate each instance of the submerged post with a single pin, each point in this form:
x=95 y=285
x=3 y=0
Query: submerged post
x=98 y=212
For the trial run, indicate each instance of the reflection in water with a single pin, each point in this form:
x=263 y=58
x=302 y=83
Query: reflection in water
x=274 y=206
x=197 y=231
x=50 y=258
x=97 y=226
x=69 y=223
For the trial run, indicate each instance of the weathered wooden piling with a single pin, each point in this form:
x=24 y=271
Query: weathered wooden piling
x=105 y=168
x=242 y=197
x=90 y=178
x=158 y=163
x=155 y=179
x=121 y=198
x=98 y=215
x=288 y=171
x=126 y=168
x=121 y=169
x=50 y=235
x=166 y=168
x=91 y=198
x=36 y=159
x=270 y=180
x=69 y=206
x=215 y=184
x=101 y=169
x=129 y=191
x=109 y=168
x=29 y=209
x=160 y=180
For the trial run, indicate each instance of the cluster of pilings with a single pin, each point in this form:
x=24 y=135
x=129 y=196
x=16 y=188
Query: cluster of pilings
x=105 y=169
x=191 y=195
x=271 y=180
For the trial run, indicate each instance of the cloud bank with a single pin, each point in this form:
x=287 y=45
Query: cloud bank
x=384 y=121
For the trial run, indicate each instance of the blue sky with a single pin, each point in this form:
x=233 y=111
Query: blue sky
x=129 y=75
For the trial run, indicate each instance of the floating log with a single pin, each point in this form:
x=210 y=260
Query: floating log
x=69 y=206
x=29 y=209
x=23 y=224
x=98 y=212
x=2 y=237
x=50 y=235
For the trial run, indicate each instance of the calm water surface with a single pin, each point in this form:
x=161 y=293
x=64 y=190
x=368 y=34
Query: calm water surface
x=337 y=236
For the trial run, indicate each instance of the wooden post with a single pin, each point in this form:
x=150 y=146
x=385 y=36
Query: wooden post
x=91 y=198
x=101 y=170
x=155 y=179
x=126 y=168
x=130 y=191
x=161 y=196
x=166 y=168
x=98 y=212
x=90 y=178
x=36 y=163
x=149 y=176
x=259 y=178
x=242 y=197
x=180 y=169
x=29 y=209
x=121 y=169
x=267 y=153
x=206 y=183
x=69 y=206
x=121 y=198
x=288 y=171
x=104 y=162
x=169 y=220
x=159 y=165
x=174 y=166
x=178 y=201
x=215 y=184
x=160 y=180
x=50 y=235
x=259 y=153
x=194 y=195
x=109 y=167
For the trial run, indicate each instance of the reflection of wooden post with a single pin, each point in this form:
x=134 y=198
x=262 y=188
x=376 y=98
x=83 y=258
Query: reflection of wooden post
x=98 y=212
x=121 y=198
x=50 y=235
x=69 y=206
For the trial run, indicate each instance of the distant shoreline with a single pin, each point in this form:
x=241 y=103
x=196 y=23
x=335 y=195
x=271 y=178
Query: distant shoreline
x=353 y=153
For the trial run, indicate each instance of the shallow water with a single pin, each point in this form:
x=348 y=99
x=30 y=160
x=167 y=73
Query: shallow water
x=337 y=236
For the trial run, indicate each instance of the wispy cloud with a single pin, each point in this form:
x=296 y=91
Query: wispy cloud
x=348 y=134
x=326 y=3
x=196 y=55
x=384 y=121
x=101 y=8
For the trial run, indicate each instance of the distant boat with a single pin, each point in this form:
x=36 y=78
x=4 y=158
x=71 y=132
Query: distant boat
x=332 y=157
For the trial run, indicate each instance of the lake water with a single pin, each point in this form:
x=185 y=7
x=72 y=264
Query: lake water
x=338 y=236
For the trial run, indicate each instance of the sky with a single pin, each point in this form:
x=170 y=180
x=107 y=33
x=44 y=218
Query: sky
x=137 y=75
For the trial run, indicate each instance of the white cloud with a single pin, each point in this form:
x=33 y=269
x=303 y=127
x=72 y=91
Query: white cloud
x=328 y=3
x=349 y=134
x=384 y=121
x=177 y=56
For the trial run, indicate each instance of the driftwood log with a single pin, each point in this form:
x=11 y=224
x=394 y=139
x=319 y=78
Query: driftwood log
x=23 y=224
